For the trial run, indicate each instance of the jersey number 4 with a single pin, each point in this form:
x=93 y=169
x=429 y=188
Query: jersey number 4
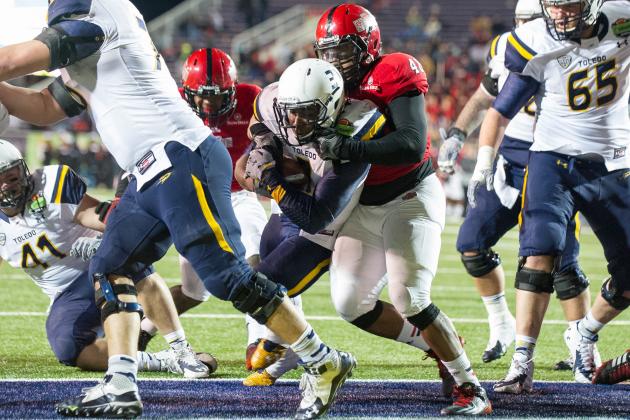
x=580 y=96
x=30 y=259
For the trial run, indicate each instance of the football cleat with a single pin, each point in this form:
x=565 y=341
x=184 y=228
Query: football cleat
x=266 y=353
x=319 y=385
x=501 y=336
x=469 y=400
x=259 y=378
x=115 y=396
x=518 y=380
x=143 y=340
x=184 y=362
x=584 y=364
x=613 y=371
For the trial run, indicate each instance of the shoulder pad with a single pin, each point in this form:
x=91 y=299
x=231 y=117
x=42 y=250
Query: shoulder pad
x=62 y=185
x=361 y=120
x=59 y=9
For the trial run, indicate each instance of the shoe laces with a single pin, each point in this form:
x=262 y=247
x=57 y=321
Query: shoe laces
x=586 y=349
x=186 y=354
x=517 y=368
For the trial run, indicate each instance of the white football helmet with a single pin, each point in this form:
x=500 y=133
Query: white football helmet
x=527 y=10
x=568 y=28
x=310 y=96
x=14 y=185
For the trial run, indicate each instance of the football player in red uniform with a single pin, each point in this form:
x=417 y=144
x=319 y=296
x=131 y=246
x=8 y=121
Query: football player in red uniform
x=394 y=233
x=210 y=87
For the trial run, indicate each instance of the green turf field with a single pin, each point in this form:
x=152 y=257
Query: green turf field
x=217 y=328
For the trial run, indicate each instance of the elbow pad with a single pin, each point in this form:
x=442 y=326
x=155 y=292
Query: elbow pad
x=71 y=41
x=70 y=101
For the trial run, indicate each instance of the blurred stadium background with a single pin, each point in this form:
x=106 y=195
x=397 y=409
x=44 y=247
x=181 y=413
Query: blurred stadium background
x=449 y=37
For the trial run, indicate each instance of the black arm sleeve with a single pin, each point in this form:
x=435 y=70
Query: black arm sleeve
x=332 y=194
x=70 y=101
x=404 y=145
x=490 y=85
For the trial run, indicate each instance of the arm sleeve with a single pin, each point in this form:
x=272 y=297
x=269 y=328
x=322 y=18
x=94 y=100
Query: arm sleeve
x=406 y=144
x=515 y=94
x=332 y=194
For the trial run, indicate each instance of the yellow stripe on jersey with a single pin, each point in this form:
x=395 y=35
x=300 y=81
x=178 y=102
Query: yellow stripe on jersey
x=494 y=46
x=256 y=113
x=521 y=49
x=373 y=131
x=278 y=193
x=207 y=213
x=309 y=278
x=578 y=226
x=520 y=213
x=62 y=179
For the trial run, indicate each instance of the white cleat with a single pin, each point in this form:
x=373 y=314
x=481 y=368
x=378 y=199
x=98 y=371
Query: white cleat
x=518 y=380
x=184 y=362
x=584 y=365
x=501 y=336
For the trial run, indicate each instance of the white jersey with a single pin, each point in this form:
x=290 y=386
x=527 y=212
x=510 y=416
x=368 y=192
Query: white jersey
x=39 y=240
x=131 y=96
x=357 y=116
x=521 y=127
x=583 y=95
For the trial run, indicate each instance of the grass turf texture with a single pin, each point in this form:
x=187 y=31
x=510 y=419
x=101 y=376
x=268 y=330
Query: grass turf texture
x=217 y=328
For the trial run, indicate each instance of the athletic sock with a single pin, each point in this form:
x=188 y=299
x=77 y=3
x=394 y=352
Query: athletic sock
x=524 y=345
x=411 y=335
x=176 y=339
x=497 y=308
x=588 y=327
x=122 y=363
x=148 y=362
x=310 y=348
x=461 y=370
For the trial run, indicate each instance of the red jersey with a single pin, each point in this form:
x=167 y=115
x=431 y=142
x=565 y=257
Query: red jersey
x=390 y=76
x=233 y=131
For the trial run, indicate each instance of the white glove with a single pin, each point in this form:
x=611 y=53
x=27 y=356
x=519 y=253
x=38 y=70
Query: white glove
x=452 y=144
x=483 y=173
x=85 y=247
x=259 y=161
x=4 y=118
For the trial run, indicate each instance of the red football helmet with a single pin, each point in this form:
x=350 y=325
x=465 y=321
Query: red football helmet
x=209 y=80
x=348 y=37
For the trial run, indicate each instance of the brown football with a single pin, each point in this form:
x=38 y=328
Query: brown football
x=295 y=171
x=208 y=360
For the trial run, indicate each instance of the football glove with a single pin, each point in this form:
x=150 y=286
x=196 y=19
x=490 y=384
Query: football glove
x=453 y=140
x=105 y=208
x=258 y=163
x=85 y=248
x=483 y=173
x=330 y=143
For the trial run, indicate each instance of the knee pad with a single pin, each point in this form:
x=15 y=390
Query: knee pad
x=570 y=283
x=107 y=298
x=481 y=264
x=259 y=297
x=425 y=317
x=614 y=296
x=368 y=319
x=535 y=281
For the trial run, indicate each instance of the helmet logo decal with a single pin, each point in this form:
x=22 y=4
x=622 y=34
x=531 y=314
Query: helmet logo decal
x=359 y=24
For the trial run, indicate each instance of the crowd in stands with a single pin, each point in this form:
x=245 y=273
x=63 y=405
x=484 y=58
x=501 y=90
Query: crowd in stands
x=454 y=69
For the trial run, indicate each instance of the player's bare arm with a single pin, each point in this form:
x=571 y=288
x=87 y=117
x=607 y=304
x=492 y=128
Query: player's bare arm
x=35 y=107
x=86 y=214
x=469 y=119
x=24 y=58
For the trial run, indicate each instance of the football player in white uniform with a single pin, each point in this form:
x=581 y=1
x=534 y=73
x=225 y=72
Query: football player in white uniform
x=180 y=192
x=42 y=216
x=576 y=62
x=496 y=212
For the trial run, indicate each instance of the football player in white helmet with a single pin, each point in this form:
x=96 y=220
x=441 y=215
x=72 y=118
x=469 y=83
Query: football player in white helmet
x=42 y=216
x=576 y=63
x=496 y=212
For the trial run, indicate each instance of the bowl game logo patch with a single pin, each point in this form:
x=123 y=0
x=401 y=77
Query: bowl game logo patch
x=621 y=27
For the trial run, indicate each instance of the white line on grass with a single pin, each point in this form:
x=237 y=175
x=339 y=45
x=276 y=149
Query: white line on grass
x=310 y=317
x=401 y=381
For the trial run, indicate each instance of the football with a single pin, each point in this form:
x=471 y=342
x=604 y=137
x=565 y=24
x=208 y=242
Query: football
x=208 y=360
x=295 y=171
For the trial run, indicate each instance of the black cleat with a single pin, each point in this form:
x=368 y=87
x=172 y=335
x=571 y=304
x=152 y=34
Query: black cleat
x=115 y=396
x=494 y=353
x=143 y=340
